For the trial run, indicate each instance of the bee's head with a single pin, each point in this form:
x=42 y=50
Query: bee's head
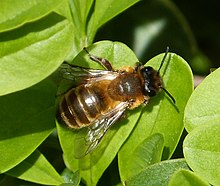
x=152 y=81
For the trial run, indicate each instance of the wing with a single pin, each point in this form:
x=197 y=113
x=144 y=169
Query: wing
x=88 y=138
x=75 y=73
x=71 y=76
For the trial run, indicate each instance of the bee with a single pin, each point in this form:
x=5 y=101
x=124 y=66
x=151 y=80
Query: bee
x=102 y=97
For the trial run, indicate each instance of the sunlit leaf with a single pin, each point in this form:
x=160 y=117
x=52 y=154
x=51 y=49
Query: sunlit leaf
x=32 y=52
x=157 y=174
x=27 y=118
x=202 y=151
x=147 y=153
x=186 y=178
x=104 y=11
x=203 y=105
x=36 y=169
x=16 y=13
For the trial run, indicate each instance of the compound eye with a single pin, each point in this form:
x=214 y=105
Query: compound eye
x=148 y=70
x=152 y=91
x=149 y=90
x=149 y=81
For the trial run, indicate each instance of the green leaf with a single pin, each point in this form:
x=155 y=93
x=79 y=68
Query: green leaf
x=93 y=165
x=145 y=154
x=36 y=169
x=80 y=15
x=104 y=11
x=27 y=118
x=202 y=151
x=161 y=115
x=16 y=13
x=32 y=52
x=186 y=178
x=80 y=10
x=118 y=54
x=201 y=146
x=70 y=178
x=88 y=16
x=203 y=106
x=157 y=174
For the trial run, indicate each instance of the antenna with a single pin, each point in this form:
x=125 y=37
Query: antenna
x=171 y=97
x=164 y=57
x=161 y=64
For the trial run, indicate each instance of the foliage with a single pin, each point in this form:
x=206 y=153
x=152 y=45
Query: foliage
x=201 y=146
x=37 y=36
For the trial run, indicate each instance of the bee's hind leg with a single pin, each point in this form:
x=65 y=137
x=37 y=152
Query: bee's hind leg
x=102 y=61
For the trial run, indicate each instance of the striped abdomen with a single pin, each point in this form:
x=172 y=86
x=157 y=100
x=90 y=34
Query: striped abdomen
x=82 y=105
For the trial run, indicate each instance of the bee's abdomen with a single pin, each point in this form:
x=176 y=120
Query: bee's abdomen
x=82 y=105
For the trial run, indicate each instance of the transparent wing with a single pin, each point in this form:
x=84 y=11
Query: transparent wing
x=74 y=73
x=71 y=76
x=88 y=138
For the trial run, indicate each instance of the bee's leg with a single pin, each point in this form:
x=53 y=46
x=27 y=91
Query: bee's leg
x=138 y=66
x=104 y=62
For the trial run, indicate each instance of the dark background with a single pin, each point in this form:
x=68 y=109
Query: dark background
x=192 y=30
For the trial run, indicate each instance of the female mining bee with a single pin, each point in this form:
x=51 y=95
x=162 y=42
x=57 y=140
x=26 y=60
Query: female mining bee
x=102 y=96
